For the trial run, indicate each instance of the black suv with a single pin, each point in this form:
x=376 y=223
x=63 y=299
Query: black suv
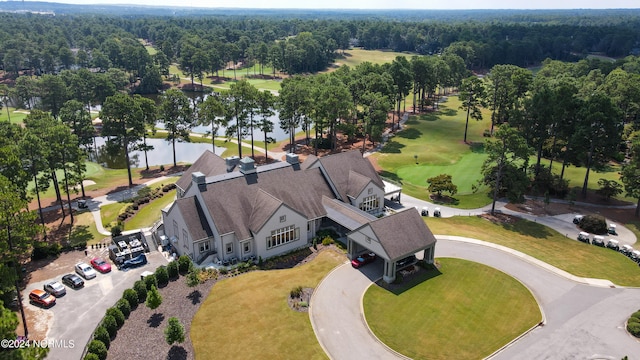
x=409 y=260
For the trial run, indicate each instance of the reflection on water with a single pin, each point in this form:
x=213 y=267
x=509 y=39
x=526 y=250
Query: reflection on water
x=161 y=154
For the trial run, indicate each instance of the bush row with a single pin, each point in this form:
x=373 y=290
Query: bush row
x=633 y=324
x=116 y=316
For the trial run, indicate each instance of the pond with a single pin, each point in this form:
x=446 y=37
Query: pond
x=161 y=154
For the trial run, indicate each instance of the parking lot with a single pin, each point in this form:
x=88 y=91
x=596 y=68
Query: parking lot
x=76 y=314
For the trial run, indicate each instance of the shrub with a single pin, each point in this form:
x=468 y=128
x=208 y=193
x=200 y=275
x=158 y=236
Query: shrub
x=296 y=292
x=162 y=275
x=124 y=307
x=151 y=281
x=184 y=264
x=174 y=332
x=116 y=230
x=303 y=304
x=193 y=277
x=101 y=334
x=91 y=356
x=633 y=320
x=117 y=315
x=132 y=298
x=43 y=250
x=172 y=270
x=99 y=348
x=327 y=241
x=110 y=324
x=141 y=289
x=594 y=224
x=636 y=314
x=634 y=329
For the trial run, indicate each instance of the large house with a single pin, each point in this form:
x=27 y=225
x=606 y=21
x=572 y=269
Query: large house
x=229 y=210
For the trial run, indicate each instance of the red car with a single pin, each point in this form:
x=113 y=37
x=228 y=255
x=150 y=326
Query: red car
x=363 y=259
x=100 y=265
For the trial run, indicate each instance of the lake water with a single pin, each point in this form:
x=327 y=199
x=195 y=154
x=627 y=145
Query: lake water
x=161 y=154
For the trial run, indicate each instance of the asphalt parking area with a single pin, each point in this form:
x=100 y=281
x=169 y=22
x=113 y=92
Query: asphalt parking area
x=75 y=315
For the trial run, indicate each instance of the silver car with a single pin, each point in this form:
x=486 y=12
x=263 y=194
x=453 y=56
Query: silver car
x=86 y=271
x=55 y=288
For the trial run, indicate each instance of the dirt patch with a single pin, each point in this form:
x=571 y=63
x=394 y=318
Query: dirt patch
x=539 y=208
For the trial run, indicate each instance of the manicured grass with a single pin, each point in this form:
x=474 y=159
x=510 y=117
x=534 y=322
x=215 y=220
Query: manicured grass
x=150 y=213
x=84 y=229
x=109 y=213
x=250 y=317
x=547 y=245
x=260 y=84
x=436 y=140
x=17 y=115
x=464 y=310
x=356 y=56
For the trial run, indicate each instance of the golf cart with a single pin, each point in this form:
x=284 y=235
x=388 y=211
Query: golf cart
x=584 y=237
x=598 y=240
x=425 y=211
x=613 y=244
x=612 y=229
x=577 y=219
x=436 y=212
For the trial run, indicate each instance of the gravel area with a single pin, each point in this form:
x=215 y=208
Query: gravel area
x=142 y=335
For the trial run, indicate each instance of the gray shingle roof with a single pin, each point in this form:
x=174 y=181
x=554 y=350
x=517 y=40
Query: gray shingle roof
x=339 y=166
x=208 y=163
x=402 y=233
x=344 y=214
x=194 y=218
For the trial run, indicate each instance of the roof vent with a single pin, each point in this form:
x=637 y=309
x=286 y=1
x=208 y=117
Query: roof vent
x=247 y=166
x=231 y=162
x=292 y=159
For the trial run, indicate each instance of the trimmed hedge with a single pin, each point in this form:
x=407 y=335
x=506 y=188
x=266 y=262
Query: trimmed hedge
x=132 y=297
x=117 y=315
x=124 y=307
x=173 y=270
x=111 y=325
x=634 y=328
x=97 y=347
x=184 y=264
x=91 y=356
x=101 y=334
x=162 y=275
x=151 y=281
x=141 y=289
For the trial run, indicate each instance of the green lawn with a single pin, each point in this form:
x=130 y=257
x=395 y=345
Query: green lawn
x=251 y=316
x=109 y=213
x=356 y=56
x=84 y=229
x=17 y=115
x=150 y=213
x=547 y=245
x=464 y=310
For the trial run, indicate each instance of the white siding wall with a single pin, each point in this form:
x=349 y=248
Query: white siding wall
x=291 y=218
x=375 y=190
x=360 y=237
x=168 y=219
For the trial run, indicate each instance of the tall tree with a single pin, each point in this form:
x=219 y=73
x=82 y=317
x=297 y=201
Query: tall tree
x=123 y=121
x=293 y=102
x=239 y=99
x=176 y=114
x=507 y=159
x=150 y=116
x=400 y=71
x=472 y=96
x=630 y=175
x=211 y=112
x=266 y=102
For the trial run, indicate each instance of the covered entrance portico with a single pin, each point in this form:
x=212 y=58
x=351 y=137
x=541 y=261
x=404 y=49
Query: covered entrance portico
x=393 y=238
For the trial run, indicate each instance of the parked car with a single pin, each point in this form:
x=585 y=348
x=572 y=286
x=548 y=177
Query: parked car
x=134 y=262
x=100 y=265
x=598 y=240
x=409 y=260
x=42 y=298
x=584 y=237
x=578 y=219
x=55 y=288
x=73 y=281
x=84 y=270
x=362 y=260
x=613 y=244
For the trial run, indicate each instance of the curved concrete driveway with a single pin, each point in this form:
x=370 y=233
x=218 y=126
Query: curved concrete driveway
x=584 y=317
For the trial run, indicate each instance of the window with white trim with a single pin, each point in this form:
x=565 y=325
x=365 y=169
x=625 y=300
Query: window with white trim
x=185 y=238
x=283 y=236
x=175 y=229
x=247 y=247
x=229 y=248
x=370 y=203
x=204 y=246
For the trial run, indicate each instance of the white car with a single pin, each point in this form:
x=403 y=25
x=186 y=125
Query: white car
x=86 y=271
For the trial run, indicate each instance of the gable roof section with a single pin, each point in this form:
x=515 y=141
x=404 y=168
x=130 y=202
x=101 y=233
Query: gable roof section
x=263 y=208
x=194 y=218
x=208 y=163
x=339 y=166
x=356 y=184
x=402 y=233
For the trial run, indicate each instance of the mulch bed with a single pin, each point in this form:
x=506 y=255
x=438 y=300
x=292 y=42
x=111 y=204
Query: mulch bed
x=142 y=335
x=305 y=297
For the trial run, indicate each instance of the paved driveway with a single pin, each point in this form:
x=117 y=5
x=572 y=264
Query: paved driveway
x=582 y=321
x=77 y=314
